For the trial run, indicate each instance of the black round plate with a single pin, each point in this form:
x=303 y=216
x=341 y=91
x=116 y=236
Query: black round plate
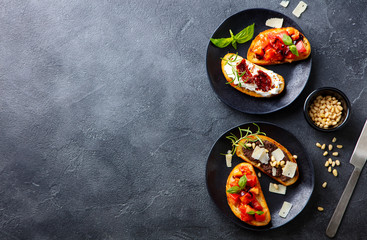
x=295 y=74
x=298 y=194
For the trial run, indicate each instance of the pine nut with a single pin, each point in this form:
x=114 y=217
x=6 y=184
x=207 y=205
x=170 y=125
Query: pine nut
x=259 y=174
x=334 y=139
x=295 y=156
x=276 y=186
x=329 y=169
x=330 y=147
x=323 y=110
x=335 y=172
x=324 y=184
x=253 y=145
x=327 y=164
x=335 y=154
x=320 y=209
x=323 y=146
x=272 y=158
x=318 y=145
x=248 y=145
x=337 y=162
x=339 y=146
x=330 y=161
x=325 y=153
x=333 y=164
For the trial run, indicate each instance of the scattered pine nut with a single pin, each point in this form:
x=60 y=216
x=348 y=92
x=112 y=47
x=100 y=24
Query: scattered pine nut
x=318 y=145
x=320 y=209
x=324 y=184
x=259 y=174
x=330 y=161
x=295 y=156
x=248 y=145
x=253 y=145
x=325 y=153
x=327 y=164
x=335 y=154
x=323 y=146
x=334 y=139
x=333 y=164
x=335 y=172
x=330 y=147
x=337 y=162
x=276 y=186
x=329 y=169
x=339 y=146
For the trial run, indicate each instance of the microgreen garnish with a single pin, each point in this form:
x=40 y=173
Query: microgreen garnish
x=245 y=134
x=288 y=41
x=243 y=36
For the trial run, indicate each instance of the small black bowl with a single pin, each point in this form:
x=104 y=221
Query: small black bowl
x=328 y=91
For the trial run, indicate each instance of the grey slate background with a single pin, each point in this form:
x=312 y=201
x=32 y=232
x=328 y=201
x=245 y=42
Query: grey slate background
x=107 y=118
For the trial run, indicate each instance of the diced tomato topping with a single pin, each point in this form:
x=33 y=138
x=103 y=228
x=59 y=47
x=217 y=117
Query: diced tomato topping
x=255 y=204
x=245 y=170
x=247 y=217
x=260 y=218
x=234 y=182
x=235 y=198
x=251 y=180
x=246 y=198
x=254 y=190
x=300 y=47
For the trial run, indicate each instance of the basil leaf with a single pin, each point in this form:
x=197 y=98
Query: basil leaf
x=259 y=212
x=246 y=34
x=251 y=212
x=293 y=49
x=234 y=44
x=287 y=40
x=221 y=42
x=242 y=182
x=234 y=189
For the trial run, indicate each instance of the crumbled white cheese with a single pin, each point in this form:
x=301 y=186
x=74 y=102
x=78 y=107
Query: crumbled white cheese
x=285 y=209
x=301 y=7
x=289 y=169
x=281 y=188
x=278 y=154
x=274 y=22
x=284 y=3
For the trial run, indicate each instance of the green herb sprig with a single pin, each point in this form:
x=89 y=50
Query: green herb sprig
x=253 y=212
x=288 y=41
x=243 y=36
x=245 y=134
x=241 y=185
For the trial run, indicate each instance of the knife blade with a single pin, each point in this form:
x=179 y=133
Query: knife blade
x=358 y=160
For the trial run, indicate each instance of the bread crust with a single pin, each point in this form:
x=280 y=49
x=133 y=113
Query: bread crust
x=259 y=197
x=245 y=90
x=240 y=153
x=251 y=55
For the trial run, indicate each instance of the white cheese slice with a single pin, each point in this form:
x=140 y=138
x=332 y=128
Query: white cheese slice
x=274 y=171
x=281 y=188
x=289 y=169
x=301 y=7
x=285 y=209
x=274 y=22
x=284 y=3
x=229 y=160
x=278 y=154
x=257 y=152
x=264 y=157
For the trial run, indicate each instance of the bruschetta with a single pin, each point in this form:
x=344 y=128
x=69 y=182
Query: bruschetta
x=270 y=157
x=250 y=78
x=277 y=46
x=245 y=197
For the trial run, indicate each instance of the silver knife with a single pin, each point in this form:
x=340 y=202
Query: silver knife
x=358 y=159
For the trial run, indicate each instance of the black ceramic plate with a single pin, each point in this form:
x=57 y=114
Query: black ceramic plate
x=295 y=74
x=298 y=194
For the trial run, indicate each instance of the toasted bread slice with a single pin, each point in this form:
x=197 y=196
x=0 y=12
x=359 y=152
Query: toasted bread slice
x=270 y=145
x=271 y=83
x=268 y=47
x=246 y=209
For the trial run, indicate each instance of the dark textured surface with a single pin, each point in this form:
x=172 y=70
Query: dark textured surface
x=107 y=118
